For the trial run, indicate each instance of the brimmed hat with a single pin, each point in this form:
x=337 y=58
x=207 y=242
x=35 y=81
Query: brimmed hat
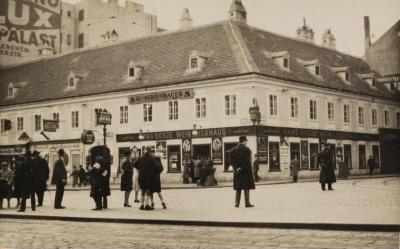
x=61 y=152
x=242 y=139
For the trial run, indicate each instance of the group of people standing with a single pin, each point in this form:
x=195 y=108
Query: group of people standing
x=24 y=179
x=197 y=170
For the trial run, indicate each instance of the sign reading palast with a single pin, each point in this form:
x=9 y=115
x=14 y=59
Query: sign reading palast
x=26 y=27
x=50 y=125
x=161 y=96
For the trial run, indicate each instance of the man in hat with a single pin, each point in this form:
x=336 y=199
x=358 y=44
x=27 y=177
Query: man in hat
x=41 y=175
x=26 y=182
x=243 y=179
x=59 y=179
x=327 y=172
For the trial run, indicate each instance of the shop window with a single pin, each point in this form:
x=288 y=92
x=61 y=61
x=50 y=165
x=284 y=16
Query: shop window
x=304 y=155
x=174 y=158
x=227 y=149
x=274 y=156
x=347 y=155
x=314 y=151
x=295 y=151
x=362 y=163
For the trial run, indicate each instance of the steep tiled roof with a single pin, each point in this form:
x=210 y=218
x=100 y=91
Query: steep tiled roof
x=230 y=48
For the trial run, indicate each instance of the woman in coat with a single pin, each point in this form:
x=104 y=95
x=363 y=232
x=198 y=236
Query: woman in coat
x=5 y=184
x=97 y=187
x=327 y=172
x=157 y=184
x=126 y=179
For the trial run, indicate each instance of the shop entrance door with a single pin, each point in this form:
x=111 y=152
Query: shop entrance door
x=347 y=155
x=174 y=158
x=375 y=154
x=201 y=150
x=227 y=150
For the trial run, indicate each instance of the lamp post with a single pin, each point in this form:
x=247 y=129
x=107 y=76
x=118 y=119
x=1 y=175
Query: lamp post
x=104 y=118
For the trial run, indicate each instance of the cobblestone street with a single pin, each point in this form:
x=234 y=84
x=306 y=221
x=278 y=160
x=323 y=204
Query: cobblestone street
x=21 y=234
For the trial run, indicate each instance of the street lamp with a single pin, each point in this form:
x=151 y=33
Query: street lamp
x=104 y=118
x=194 y=131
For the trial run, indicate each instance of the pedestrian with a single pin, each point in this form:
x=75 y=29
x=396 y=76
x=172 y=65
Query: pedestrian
x=96 y=189
x=185 y=172
x=327 y=172
x=191 y=170
x=127 y=178
x=256 y=168
x=136 y=187
x=6 y=177
x=147 y=167
x=17 y=166
x=27 y=182
x=59 y=179
x=41 y=172
x=75 y=176
x=82 y=176
x=106 y=172
x=371 y=163
x=157 y=183
x=206 y=170
x=197 y=168
x=243 y=179
x=294 y=168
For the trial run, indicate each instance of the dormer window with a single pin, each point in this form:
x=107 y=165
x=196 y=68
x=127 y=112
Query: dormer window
x=280 y=58
x=388 y=82
x=342 y=72
x=135 y=71
x=313 y=66
x=369 y=78
x=10 y=92
x=196 y=62
x=71 y=81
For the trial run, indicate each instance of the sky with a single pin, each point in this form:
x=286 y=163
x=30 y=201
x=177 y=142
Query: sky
x=344 y=17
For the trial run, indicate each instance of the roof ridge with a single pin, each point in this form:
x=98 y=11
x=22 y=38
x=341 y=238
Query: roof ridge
x=251 y=65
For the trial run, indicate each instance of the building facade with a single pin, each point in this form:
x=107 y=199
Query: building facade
x=196 y=99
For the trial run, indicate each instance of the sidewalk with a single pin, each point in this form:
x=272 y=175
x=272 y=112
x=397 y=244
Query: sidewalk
x=360 y=203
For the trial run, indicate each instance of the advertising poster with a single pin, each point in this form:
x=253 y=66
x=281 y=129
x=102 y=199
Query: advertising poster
x=186 y=149
x=262 y=149
x=285 y=157
x=26 y=27
x=161 y=149
x=217 y=150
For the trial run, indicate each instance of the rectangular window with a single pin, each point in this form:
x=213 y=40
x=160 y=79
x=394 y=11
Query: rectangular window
x=10 y=92
x=346 y=113
x=75 y=119
x=230 y=105
x=123 y=114
x=347 y=76
x=362 y=162
x=398 y=119
x=147 y=112
x=69 y=40
x=294 y=108
x=387 y=121
x=81 y=15
x=273 y=105
x=361 y=115
x=374 y=117
x=20 y=123
x=274 y=156
x=285 y=62
x=80 y=41
x=314 y=151
x=317 y=70
x=331 y=111
x=201 y=106
x=131 y=72
x=38 y=122
x=3 y=126
x=193 y=63
x=173 y=110
x=313 y=110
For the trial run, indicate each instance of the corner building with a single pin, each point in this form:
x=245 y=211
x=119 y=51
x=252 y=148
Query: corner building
x=187 y=93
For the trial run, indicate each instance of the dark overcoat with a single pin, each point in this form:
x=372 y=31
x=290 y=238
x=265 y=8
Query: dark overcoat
x=26 y=180
x=17 y=179
x=106 y=166
x=59 y=173
x=41 y=174
x=97 y=187
x=127 y=175
x=157 y=180
x=148 y=170
x=243 y=178
x=327 y=172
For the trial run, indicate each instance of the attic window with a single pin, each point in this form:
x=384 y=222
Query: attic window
x=71 y=81
x=313 y=66
x=285 y=62
x=10 y=91
x=347 y=76
x=193 y=63
x=135 y=71
x=280 y=58
x=196 y=62
x=317 y=70
x=342 y=72
x=369 y=78
x=132 y=72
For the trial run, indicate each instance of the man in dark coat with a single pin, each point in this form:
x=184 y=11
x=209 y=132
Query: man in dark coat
x=371 y=163
x=26 y=182
x=41 y=173
x=97 y=188
x=327 y=172
x=127 y=178
x=106 y=172
x=243 y=179
x=59 y=179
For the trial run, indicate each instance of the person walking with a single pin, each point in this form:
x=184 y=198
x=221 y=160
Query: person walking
x=106 y=172
x=294 y=168
x=327 y=172
x=41 y=172
x=96 y=189
x=371 y=163
x=243 y=179
x=127 y=178
x=75 y=176
x=27 y=182
x=82 y=176
x=6 y=176
x=256 y=168
x=157 y=183
x=59 y=178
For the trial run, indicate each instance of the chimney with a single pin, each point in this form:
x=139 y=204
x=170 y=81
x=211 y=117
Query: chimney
x=367 y=32
x=186 y=20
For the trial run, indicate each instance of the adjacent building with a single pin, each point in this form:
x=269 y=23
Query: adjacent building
x=193 y=92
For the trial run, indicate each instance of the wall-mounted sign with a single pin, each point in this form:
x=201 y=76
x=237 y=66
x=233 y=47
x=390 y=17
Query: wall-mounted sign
x=87 y=137
x=284 y=157
x=161 y=96
x=262 y=149
x=161 y=149
x=50 y=125
x=217 y=150
x=186 y=149
x=27 y=27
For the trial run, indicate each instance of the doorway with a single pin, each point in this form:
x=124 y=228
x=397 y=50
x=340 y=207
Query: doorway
x=227 y=149
x=201 y=150
x=314 y=151
x=375 y=154
x=274 y=160
x=362 y=161
x=295 y=151
x=347 y=155
x=174 y=158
